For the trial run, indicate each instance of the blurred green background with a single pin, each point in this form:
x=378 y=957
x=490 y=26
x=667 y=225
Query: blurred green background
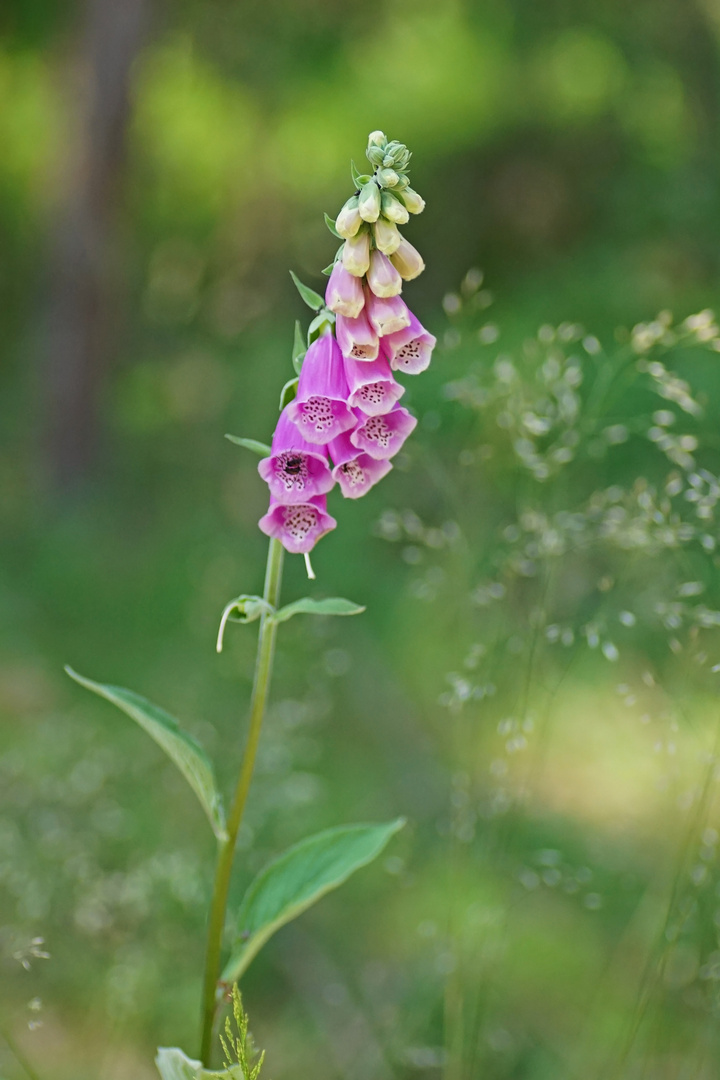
x=162 y=166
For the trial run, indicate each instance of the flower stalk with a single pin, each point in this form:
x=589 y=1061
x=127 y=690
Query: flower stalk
x=226 y=852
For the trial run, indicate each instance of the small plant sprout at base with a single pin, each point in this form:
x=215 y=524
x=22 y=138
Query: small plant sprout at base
x=340 y=423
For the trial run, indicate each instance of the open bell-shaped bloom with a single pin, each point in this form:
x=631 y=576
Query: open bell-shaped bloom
x=344 y=294
x=409 y=349
x=372 y=386
x=356 y=253
x=383 y=277
x=407 y=260
x=298 y=527
x=355 y=471
x=320 y=408
x=295 y=470
x=382 y=436
x=386 y=314
x=356 y=337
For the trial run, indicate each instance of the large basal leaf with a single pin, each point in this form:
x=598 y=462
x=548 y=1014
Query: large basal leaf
x=331 y=605
x=174 y=1065
x=180 y=747
x=296 y=880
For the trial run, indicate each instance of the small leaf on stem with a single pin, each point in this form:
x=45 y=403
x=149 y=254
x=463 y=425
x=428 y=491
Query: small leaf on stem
x=332 y=605
x=260 y=448
x=288 y=393
x=299 y=878
x=312 y=299
x=330 y=222
x=299 y=347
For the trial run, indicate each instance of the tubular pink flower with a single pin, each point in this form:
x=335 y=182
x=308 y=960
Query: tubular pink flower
x=300 y=526
x=355 y=471
x=387 y=315
x=320 y=408
x=356 y=254
x=409 y=349
x=407 y=260
x=295 y=471
x=383 y=277
x=356 y=337
x=382 y=436
x=372 y=386
x=344 y=293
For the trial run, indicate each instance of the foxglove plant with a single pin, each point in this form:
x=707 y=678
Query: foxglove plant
x=340 y=422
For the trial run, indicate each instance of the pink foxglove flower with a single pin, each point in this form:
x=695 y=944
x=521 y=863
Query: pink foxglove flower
x=372 y=386
x=383 y=277
x=386 y=235
x=356 y=337
x=296 y=470
x=300 y=526
x=382 y=436
x=344 y=294
x=356 y=253
x=409 y=349
x=407 y=260
x=320 y=408
x=387 y=315
x=355 y=471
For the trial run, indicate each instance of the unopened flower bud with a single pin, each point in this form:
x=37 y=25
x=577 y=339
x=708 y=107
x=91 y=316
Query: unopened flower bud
x=402 y=183
x=387 y=237
x=376 y=156
x=393 y=209
x=369 y=202
x=356 y=254
x=407 y=260
x=414 y=202
x=344 y=293
x=348 y=220
x=383 y=278
x=377 y=138
x=387 y=177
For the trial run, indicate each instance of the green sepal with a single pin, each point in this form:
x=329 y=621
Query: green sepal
x=299 y=347
x=330 y=222
x=328 y=269
x=311 y=298
x=332 y=605
x=184 y=751
x=260 y=448
x=288 y=393
x=247 y=609
x=355 y=173
x=297 y=879
x=317 y=327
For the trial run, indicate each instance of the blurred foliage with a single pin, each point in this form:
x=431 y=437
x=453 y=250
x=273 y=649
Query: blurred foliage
x=551 y=910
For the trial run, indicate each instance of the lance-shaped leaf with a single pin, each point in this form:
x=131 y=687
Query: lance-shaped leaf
x=299 y=347
x=188 y=755
x=292 y=883
x=332 y=605
x=312 y=299
x=330 y=222
x=288 y=393
x=260 y=448
x=173 y=1064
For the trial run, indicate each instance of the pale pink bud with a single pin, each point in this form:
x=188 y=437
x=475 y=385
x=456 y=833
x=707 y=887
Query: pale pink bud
x=407 y=260
x=356 y=254
x=344 y=294
x=348 y=220
x=387 y=237
x=383 y=278
x=393 y=209
x=386 y=314
x=414 y=202
x=369 y=202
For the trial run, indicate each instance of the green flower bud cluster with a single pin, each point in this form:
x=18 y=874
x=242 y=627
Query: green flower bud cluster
x=382 y=201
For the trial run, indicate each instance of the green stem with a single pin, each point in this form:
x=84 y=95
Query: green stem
x=17 y=1053
x=226 y=853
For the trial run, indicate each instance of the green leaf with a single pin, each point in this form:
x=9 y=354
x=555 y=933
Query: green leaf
x=312 y=299
x=187 y=754
x=299 y=347
x=358 y=178
x=320 y=324
x=173 y=1064
x=333 y=605
x=288 y=393
x=330 y=222
x=260 y=448
x=328 y=269
x=299 y=878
